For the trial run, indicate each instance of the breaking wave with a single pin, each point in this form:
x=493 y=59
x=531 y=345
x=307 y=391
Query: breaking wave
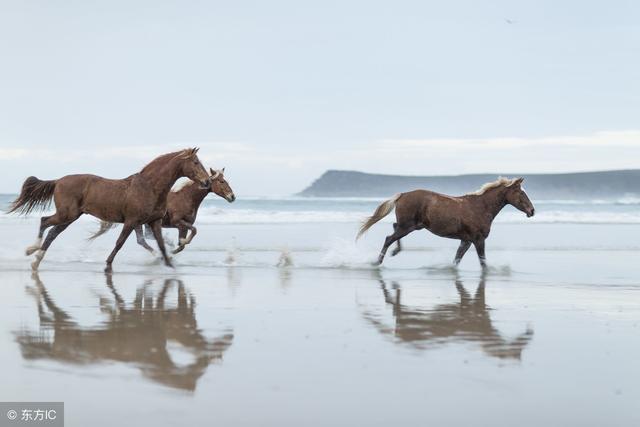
x=211 y=215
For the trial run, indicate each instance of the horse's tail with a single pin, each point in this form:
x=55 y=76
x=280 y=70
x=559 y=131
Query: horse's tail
x=104 y=227
x=35 y=195
x=381 y=211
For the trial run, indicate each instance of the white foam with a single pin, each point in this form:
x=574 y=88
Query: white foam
x=345 y=253
x=251 y=216
x=258 y=216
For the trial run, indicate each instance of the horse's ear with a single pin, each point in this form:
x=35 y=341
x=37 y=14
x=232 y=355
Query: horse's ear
x=519 y=180
x=211 y=171
x=222 y=170
x=188 y=153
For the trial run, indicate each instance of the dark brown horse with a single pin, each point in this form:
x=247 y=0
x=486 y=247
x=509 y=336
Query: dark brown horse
x=139 y=199
x=182 y=209
x=467 y=218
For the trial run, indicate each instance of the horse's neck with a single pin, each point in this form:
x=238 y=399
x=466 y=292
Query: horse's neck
x=195 y=194
x=162 y=177
x=493 y=201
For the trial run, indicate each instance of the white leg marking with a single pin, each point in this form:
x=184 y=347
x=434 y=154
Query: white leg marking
x=36 y=263
x=31 y=249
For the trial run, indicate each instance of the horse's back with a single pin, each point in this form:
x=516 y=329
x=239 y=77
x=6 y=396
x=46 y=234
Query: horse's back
x=423 y=199
x=83 y=181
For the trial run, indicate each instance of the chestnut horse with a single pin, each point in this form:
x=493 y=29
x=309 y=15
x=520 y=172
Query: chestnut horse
x=182 y=209
x=467 y=218
x=139 y=199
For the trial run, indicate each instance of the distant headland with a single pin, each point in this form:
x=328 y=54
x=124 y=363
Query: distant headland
x=606 y=185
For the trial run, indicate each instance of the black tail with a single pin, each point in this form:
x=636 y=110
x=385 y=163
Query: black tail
x=35 y=194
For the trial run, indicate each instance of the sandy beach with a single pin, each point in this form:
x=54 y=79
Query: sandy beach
x=548 y=336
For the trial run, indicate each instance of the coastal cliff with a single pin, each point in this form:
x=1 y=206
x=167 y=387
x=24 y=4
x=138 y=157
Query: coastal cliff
x=605 y=185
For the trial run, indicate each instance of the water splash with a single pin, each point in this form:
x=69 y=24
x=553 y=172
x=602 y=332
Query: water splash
x=232 y=253
x=345 y=253
x=285 y=260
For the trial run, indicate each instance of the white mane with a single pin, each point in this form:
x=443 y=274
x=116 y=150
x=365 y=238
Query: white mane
x=500 y=182
x=180 y=185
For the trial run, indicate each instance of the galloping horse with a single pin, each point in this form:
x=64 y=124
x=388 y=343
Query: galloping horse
x=467 y=217
x=182 y=209
x=138 y=199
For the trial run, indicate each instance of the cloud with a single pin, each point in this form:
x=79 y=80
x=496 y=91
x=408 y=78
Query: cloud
x=267 y=169
x=627 y=138
x=12 y=153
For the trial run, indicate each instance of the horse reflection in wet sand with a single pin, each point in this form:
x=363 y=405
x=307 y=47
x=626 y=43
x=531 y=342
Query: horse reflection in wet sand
x=469 y=320
x=136 y=334
x=466 y=218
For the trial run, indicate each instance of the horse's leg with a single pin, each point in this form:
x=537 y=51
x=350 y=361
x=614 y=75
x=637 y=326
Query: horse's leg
x=51 y=235
x=399 y=233
x=38 y=243
x=60 y=221
x=148 y=232
x=398 y=248
x=156 y=227
x=127 y=228
x=182 y=236
x=194 y=231
x=141 y=241
x=479 y=244
x=462 y=249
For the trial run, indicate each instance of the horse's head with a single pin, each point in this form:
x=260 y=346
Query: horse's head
x=191 y=167
x=220 y=186
x=517 y=198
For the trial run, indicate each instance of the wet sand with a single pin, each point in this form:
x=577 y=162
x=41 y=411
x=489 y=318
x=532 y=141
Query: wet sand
x=546 y=337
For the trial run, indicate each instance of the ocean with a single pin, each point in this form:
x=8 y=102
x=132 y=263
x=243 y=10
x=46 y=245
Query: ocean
x=320 y=232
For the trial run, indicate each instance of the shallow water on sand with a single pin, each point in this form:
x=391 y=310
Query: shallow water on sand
x=549 y=336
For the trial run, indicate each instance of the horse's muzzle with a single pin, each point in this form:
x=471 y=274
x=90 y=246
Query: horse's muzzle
x=230 y=197
x=531 y=213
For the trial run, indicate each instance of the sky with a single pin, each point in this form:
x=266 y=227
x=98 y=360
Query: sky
x=280 y=91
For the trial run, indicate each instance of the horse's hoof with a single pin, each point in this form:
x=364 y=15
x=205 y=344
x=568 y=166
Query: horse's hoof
x=395 y=252
x=168 y=264
x=178 y=249
x=108 y=269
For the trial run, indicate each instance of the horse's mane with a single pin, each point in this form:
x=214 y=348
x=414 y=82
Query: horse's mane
x=182 y=186
x=166 y=157
x=500 y=182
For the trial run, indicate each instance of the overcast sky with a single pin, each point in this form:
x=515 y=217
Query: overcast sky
x=280 y=91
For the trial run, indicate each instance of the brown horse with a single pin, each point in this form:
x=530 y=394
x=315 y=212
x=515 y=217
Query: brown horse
x=182 y=209
x=467 y=217
x=139 y=199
